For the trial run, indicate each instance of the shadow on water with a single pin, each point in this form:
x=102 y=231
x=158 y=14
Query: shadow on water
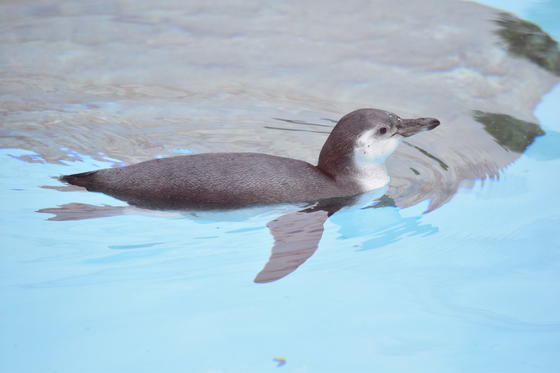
x=528 y=40
x=512 y=134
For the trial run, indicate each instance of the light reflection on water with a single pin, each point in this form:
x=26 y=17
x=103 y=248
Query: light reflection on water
x=468 y=287
x=73 y=78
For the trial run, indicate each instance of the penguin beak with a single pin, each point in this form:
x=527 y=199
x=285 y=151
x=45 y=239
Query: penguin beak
x=409 y=127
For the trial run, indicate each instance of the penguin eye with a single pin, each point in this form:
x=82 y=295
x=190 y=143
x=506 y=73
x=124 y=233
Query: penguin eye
x=382 y=131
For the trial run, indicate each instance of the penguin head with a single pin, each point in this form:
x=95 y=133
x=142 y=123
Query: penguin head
x=366 y=137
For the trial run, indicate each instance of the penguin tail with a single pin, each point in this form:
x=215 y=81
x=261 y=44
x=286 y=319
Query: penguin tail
x=84 y=179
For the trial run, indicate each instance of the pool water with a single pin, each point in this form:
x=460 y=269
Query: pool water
x=469 y=287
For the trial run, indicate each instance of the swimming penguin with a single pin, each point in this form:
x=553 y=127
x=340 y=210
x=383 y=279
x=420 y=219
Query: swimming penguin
x=352 y=161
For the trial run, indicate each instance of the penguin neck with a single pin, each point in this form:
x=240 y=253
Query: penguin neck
x=368 y=176
x=357 y=174
x=355 y=167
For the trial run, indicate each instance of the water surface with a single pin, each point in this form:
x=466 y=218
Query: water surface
x=470 y=286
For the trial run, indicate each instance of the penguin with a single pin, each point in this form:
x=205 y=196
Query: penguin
x=351 y=162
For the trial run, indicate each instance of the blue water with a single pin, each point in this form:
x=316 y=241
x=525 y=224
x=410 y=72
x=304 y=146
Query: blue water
x=470 y=287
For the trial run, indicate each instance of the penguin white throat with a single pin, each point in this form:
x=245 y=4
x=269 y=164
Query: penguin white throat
x=369 y=156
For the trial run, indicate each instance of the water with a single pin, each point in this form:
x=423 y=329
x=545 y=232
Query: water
x=469 y=287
